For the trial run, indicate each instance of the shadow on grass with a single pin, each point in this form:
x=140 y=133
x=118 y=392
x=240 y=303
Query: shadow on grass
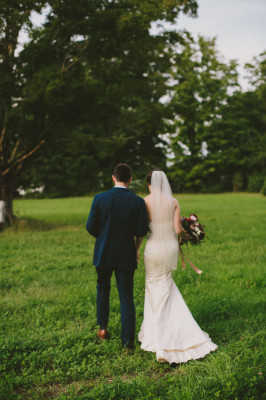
x=32 y=225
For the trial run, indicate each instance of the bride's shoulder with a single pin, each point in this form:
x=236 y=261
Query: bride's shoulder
x=175 y=202
x=147 y=198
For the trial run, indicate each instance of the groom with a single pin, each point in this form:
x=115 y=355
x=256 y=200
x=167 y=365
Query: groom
x=116 y=218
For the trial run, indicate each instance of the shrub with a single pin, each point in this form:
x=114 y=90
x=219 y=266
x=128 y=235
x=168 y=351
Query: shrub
x=237 y=182
x=263 y=189
x=255 y=183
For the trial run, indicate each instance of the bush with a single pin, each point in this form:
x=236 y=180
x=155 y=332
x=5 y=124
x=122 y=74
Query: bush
x=263 y=189
x=237 y=182
x=255 y=183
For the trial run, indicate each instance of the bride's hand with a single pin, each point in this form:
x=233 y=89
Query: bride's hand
x=183 y=235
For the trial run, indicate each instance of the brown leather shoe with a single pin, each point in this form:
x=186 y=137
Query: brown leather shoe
x=102 y=334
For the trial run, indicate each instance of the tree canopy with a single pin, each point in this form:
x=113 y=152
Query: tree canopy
x=95 y=86
x=218 y=134
x=86 y=85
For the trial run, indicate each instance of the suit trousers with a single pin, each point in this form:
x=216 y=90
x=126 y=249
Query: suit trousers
x=125 y=284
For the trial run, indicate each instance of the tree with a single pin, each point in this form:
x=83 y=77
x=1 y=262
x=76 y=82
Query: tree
x=257 y=80
x=241 y=130
x=14 y=148
x=92 y=74
x=202 y=83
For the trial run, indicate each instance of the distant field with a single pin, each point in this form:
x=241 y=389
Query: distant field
x=48 y=311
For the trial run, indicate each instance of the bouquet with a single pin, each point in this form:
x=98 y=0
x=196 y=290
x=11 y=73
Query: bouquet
x=194 y=229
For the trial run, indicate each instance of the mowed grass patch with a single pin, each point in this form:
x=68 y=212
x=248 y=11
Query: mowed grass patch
x=48 y=325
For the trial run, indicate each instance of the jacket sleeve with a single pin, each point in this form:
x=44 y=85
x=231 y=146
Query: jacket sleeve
x=142 y=225
x=92 y=225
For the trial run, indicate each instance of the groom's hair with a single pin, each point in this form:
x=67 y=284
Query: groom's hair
x=122 y=173
x=148 y=180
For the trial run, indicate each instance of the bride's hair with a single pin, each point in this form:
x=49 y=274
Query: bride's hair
x=148 y=180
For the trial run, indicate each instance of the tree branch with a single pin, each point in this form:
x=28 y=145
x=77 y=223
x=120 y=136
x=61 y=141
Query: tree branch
x=2 y=136
x=23 y=158
x=109 y=139
x=14 y=150
x=76 y=59
x=72 y=63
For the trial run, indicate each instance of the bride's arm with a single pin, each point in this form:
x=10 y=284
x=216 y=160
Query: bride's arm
x=138 y=242
x=139 y=239
x=177 y=223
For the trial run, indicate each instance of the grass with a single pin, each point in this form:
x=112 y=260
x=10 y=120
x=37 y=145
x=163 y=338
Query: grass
x=48 y=308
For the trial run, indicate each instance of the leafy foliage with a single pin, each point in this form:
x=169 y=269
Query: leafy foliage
x=263 y=189
x=219 y=138
x=17 y=138
x=95 y=86
x=92 y=77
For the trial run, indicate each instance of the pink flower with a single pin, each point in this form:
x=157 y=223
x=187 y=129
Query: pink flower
x=193 y=217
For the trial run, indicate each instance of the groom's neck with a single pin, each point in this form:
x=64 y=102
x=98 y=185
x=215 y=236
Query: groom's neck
x=121 y=184
x=124 y=184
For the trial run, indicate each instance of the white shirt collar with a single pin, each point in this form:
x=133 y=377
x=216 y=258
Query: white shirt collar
x=120 y=187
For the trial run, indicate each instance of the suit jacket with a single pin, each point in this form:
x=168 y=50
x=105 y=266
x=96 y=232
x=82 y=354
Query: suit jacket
x=117 y=216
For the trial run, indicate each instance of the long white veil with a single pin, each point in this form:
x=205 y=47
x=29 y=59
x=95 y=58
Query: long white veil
x=162 y=224
x=162 y=206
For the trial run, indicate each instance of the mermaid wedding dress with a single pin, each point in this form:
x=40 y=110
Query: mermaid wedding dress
x=168 y=328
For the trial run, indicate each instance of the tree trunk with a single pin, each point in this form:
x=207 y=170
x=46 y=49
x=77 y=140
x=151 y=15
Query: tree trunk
x=6 y=194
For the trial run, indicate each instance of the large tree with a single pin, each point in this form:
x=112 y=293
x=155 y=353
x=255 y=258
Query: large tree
x=202 y=84
x=93 y=75
x=237 y=139
x=16 y=144
x=219 y=132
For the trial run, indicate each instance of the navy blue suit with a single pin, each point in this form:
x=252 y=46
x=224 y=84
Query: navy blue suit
x=116 y=217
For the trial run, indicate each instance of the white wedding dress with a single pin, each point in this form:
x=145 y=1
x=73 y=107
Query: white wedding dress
x=168 y=328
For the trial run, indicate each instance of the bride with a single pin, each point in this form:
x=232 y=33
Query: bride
x=168 y=328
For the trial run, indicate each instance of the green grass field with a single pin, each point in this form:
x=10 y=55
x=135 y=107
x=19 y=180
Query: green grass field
x=48 y=308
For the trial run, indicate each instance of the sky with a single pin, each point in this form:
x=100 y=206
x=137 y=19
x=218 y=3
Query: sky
x=238 y=25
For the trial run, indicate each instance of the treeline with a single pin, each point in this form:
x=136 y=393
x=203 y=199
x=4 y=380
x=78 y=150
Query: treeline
x=94 y=86
x=219 y=131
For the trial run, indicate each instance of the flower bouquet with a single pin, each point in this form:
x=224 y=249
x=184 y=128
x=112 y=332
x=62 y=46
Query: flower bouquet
x=194 y=229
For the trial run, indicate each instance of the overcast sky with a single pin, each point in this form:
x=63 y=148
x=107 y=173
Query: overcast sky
x=239 y=25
